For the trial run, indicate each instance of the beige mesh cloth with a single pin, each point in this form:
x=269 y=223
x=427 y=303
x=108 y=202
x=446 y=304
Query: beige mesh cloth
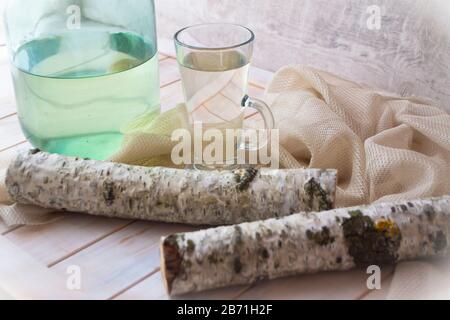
x=385 y=148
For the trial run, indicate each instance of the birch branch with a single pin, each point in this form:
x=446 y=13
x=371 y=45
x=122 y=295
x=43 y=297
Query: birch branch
x=168 y=195
x=336 y=240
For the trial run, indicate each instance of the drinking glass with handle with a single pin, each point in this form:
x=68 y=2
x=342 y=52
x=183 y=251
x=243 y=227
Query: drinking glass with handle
x=214 y=61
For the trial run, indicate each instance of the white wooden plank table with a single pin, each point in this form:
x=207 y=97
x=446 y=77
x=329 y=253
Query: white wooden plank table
x=119 y=259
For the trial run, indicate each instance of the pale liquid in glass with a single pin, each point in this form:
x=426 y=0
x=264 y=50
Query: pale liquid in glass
x=214 y=85
x=75 y=91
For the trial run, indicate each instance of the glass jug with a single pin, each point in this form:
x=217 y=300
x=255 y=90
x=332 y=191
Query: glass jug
x=83 y=70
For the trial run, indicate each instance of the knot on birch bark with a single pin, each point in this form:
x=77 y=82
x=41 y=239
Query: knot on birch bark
x=244 y=177
x=109 y=193
x=322 y=237
x=369 y=242
x=317 y=195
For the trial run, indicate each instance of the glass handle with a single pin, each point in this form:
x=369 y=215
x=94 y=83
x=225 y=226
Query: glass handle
x=267 y=115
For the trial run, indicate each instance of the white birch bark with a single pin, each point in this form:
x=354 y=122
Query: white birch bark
x=169 y=195
x=339 y=239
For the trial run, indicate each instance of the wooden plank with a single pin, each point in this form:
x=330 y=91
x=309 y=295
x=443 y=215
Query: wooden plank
x=427 y=279
x=4 y=159
x=3 y=55
x=4 y=296
x=8 y=107
x=125 y=257
x=168 y=72
x=332 y=285
x=153 y=288
x=3 y=228
x=7 y=154
x=22 y=277
x=51 y=243
x=386 y=282
x=260 y=78
x=380 y=294
x=171 y=96
x=166 y=47
x=2 y=24
x=10 y=132
x=7 y=100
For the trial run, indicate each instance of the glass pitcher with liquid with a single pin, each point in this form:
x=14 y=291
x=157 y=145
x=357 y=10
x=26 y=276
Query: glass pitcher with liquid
x=82 y=71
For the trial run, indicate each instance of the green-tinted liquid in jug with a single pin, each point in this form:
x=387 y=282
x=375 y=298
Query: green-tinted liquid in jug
x=75 y=91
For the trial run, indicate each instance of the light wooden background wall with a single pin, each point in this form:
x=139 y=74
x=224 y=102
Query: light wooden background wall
x=2 y=31
x=409 y=55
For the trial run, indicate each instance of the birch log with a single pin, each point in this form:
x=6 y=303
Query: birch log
x=339 y=239
x=168 y=195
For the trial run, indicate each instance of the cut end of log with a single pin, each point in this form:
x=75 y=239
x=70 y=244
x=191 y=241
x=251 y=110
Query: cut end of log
x=170 y=261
